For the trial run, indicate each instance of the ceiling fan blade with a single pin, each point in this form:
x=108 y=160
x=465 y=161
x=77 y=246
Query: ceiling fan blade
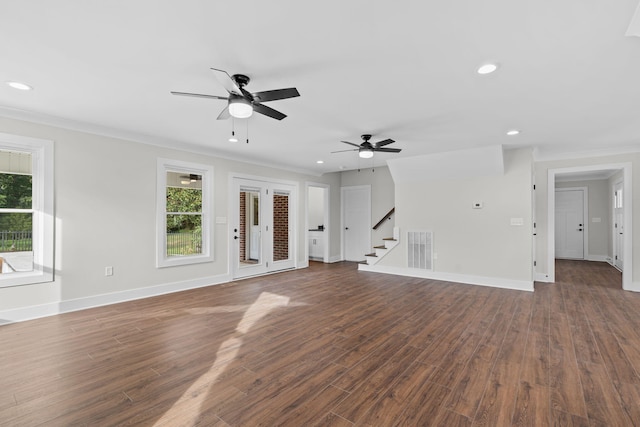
x=385 y=142
x=199 y=95
x=388 y=150
x=343 y=151
x=224 y=114
x=273 y=95
x=226 y=81
x=351 y=143
x=268 y=111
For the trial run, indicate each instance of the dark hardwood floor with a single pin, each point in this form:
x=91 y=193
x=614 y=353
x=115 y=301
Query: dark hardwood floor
x=333 y=346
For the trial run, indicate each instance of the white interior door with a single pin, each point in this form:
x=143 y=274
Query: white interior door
x=356 y=222
x=618 y=226
x=569 y=223
x=262 y=226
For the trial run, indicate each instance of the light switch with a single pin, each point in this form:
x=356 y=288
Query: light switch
x=517 y=221
x=596 y=219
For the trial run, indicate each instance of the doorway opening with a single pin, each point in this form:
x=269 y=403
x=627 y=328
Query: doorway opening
x=600 y=219
x=317 y=222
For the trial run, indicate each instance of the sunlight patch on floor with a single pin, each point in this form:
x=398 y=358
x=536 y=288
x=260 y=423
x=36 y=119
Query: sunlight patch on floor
x=194 y=396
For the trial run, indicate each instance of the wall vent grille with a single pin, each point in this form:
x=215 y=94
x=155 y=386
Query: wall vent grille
x=420 y=249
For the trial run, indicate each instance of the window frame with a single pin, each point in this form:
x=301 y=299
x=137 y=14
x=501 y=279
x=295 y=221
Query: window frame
x=42 y=205
x=183 y=167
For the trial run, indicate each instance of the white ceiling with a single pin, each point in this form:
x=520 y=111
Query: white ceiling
x=568 y=77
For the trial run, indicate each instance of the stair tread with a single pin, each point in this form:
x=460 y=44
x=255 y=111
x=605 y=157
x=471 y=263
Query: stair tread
x=372 y=254
x=389 y=238
x=380 y=247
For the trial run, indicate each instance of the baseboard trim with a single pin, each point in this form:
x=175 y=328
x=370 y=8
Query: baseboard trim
x=598 y=258
x=335 y=259
x=52 y=309
x=494 y=282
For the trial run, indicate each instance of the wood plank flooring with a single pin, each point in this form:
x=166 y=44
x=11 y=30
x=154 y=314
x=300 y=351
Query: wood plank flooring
x=333 y=346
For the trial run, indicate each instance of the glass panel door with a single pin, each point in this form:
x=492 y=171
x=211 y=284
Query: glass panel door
x=250 y=233
x=262 y=227
x=281 y=237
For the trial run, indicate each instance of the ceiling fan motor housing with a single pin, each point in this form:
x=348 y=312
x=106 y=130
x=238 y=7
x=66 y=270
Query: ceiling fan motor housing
x=241 y=79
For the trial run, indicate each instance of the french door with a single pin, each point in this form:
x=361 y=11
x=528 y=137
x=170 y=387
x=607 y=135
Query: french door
x=262 y=227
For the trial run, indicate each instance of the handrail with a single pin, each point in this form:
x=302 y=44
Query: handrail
x=387 y=216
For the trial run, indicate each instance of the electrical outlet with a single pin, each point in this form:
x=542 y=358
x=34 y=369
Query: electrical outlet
x=108 y=271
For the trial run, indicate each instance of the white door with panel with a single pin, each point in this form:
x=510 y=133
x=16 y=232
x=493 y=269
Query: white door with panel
x=570 y=223
x=262 y=227
x=618 y=225
x=356 y=222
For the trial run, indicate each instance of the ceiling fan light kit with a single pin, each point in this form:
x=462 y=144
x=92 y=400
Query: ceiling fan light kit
x=239 y=107
x=365 y=153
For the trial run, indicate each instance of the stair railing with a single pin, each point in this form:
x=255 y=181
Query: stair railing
x=387 y=216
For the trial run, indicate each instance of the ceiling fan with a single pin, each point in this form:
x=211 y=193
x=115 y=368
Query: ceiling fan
x=241 y=103
x=366 y=149
x=188 y=179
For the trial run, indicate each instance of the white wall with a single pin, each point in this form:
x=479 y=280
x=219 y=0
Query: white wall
x=105 y=191
x=473 y=243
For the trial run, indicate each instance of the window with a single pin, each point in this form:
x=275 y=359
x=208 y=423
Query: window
x=26 y=210
x=184 y=213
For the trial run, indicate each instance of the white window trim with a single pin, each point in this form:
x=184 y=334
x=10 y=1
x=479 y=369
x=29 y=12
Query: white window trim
x=206 y=171
x=42 y=203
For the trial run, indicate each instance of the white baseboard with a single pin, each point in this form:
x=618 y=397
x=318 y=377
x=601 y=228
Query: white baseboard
x=337 y=258
x=494 y=282
x=52 y=309
x=635 y=287
x=599 y=258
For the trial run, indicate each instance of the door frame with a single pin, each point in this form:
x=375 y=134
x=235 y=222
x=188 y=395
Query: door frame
x=627 y=274
x=326 y=219
x=342 y=214
x=585 y=218
x=615 y=231
x=231 y=210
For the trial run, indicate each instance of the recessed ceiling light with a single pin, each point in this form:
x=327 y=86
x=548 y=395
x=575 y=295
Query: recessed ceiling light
x=20 y=86
x=319 y=162
x=487 y=68
x=513 y=132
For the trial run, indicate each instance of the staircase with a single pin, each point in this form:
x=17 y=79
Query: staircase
x=380 y=251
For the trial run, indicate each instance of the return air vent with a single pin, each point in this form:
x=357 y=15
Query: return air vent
x=420 y=250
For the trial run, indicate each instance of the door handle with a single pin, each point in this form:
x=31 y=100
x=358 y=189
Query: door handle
x=346 y=228
x=235 y=237
x=579 y=229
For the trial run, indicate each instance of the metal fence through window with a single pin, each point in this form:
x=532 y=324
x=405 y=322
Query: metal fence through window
x=16 y=241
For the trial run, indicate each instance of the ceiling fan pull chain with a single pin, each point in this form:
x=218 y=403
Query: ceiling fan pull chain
x=247 y=131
